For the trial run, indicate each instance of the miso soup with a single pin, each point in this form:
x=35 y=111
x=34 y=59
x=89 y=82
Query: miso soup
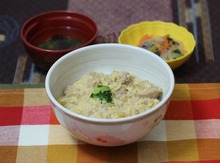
x=60 y=42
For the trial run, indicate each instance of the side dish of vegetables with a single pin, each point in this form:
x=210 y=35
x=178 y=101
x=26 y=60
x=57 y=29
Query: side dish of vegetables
x=164 y=46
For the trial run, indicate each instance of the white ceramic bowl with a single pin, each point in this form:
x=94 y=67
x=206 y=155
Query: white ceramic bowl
x=106 y=58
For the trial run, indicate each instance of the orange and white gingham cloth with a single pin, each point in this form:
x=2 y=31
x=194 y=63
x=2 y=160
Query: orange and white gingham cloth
x=189 y=133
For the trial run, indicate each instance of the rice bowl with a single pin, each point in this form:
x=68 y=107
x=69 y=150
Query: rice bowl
x=105 y=58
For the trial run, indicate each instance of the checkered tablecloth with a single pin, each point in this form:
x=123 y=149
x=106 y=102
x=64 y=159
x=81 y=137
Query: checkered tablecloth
x=189 y=133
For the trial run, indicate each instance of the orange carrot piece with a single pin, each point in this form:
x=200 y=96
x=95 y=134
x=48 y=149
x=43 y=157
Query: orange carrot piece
x=165 y=45
x=144 y=38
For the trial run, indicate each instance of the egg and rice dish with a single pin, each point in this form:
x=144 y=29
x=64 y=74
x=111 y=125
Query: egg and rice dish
x=116 y=95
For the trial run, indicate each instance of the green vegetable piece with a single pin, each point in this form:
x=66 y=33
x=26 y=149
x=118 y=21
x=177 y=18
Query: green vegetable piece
x=177 y=51
x=101 y=88
x=153 y=48
x=103 y=93
x=176 y=55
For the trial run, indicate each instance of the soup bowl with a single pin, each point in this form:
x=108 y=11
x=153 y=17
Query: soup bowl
x=50 y=35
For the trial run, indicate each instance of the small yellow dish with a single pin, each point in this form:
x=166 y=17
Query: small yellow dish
x=133 y=33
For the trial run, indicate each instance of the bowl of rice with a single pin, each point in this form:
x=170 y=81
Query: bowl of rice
x=107 y=95
x=173 y=43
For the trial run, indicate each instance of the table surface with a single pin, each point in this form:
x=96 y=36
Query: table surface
x=198 y=16
x=189 y=133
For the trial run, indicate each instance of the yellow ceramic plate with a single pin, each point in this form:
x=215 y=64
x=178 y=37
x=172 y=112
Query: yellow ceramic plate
x=132 y=35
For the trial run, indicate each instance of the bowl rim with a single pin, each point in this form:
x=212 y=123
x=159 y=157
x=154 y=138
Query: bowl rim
x=58 y=12
x=164 y=23
x=102 y=120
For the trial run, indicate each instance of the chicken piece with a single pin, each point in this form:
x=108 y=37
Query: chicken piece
x=119 y=77
x=152 y=92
